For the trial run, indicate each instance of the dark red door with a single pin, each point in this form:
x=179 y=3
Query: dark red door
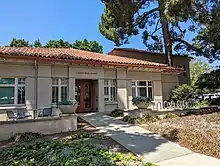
x=86 y=97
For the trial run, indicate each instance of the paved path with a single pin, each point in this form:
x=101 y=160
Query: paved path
x=152 y=147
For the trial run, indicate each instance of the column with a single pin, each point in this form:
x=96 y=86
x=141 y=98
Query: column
x=122 y=96
x=72 y=82
x=101 y=101
x=158 y=95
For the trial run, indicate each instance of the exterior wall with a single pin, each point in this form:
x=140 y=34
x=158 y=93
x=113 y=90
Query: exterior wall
x=162 y=83
x=178 y=61
x=64 y=123
x=168 y=84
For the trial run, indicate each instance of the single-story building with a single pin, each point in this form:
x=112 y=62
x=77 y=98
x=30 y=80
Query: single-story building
x=39 y=77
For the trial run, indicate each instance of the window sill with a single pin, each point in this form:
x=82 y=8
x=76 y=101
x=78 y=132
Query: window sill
x=111 y=102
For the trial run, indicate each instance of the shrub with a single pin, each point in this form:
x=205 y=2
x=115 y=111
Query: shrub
x=146 y=119
x=129 y=119
x=137 y=100
x=170 y=115
x=117 y=113
x=25 y=137
x=215 y=101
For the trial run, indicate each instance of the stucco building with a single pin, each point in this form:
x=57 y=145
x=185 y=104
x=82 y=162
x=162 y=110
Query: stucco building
x=39 y=77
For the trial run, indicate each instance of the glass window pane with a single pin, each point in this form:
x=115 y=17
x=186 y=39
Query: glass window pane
x=63 y=94
x=112 y=82
x=113 y=95
x=142 y=83
x=7 y=81
x=6 y=95
x=55 y=81
x=133 y=92
x=150 y=92
x=21 y=81
x=54 y=94
x=133 y=83
x=106 y=92
x=149 y=83
x=64 y=81
x=142 y=92
x=21 y=95
x=105 y=82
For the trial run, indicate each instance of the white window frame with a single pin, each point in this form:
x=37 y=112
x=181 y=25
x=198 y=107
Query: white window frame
x=15 y=86
x=109 y=86
x=60 y=85
x=136 y=86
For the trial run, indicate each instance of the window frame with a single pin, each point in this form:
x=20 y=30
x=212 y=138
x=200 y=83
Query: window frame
x=109 y=86
x=16 y=86
x=136 y=86
x=59 y=86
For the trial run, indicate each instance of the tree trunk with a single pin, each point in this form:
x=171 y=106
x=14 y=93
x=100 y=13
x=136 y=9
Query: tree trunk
x=166 y=33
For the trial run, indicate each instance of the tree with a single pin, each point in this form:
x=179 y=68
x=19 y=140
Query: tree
x=37 y=44
x=163 y=25
x=198 y=68
x=58 y=44
x=19 y=43
x=210 y=80
x=92 y=46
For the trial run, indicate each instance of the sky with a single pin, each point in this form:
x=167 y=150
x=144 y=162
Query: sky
x=45 y=20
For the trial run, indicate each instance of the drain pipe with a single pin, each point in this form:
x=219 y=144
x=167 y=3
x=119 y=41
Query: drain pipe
x=35 y=88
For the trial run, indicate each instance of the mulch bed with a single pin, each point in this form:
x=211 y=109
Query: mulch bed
x=199 y=133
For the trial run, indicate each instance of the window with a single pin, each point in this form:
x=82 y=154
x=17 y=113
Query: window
x=12 y=90
x=59 y=89
x=142 y=89
x=110 y=90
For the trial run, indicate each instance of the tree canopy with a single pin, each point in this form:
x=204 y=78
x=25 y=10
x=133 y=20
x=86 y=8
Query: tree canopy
x=164 y=25
x=92 y=46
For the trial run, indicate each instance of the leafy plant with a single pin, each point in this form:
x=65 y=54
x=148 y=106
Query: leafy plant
x=170 y=115
x=117 y=113
x=25 y=137
x=65 y=102
x=137 y=100
x=129 y=119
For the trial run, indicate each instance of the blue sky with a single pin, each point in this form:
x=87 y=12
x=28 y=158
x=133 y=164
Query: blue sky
x=69 y=20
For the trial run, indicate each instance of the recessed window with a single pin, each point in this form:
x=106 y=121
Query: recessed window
x=12 y=90
x=110 y=90
x=142 y=89
x=59 y=89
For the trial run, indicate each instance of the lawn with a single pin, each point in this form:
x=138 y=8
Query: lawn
x=85 y=147
x=199 y=133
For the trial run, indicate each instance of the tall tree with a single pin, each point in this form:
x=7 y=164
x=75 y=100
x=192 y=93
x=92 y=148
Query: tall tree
x=37 y=44
x=92 y=46
x=19 y=43
x=58 y=44
x=164 y=25
x=198 y=68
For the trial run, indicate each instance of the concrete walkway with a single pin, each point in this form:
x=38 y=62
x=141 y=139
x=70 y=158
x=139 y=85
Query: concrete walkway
x=152 y=147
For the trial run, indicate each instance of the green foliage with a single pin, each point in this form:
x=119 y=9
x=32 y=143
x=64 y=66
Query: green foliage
x=146 y=119
x=86 y=45
x=19 y=43
x=137 y=100
x=117 y=113
x=25 y=137
x=170 y=115
x=197 y=68
x=182 y=93
x=165 y=27
x=210 y=80
x=65 y=102
x=215 y=101
x=72 y=152
x=149 y=164
x=128 y=119
x=58 y=44
x=37 y=44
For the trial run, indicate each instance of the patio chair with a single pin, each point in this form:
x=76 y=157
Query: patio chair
x=11 y=115
x=46 y=112
x=23 y=114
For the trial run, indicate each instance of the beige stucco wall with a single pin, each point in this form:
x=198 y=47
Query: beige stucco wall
x=168 y=84
x=46 y=126
x=162 y=83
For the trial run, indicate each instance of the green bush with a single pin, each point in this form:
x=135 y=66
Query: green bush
x=170 y=115
x=146 y=119
x=117 y=113
x=214 y=101
x=129 y=119
x=25 y=137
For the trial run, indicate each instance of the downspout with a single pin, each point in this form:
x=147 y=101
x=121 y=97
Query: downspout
x=35 y=88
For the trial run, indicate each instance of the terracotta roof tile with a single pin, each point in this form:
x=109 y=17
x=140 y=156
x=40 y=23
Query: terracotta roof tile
x=74 y=54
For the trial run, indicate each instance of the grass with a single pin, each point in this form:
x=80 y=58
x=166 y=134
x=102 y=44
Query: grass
x=199 y=133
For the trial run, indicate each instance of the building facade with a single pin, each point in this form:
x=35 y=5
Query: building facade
x=42 y=77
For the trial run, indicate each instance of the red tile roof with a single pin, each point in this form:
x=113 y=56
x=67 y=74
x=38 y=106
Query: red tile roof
x=74 y=55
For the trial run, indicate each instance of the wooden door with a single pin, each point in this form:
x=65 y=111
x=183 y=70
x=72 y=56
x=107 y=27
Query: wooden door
x=86 y=97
